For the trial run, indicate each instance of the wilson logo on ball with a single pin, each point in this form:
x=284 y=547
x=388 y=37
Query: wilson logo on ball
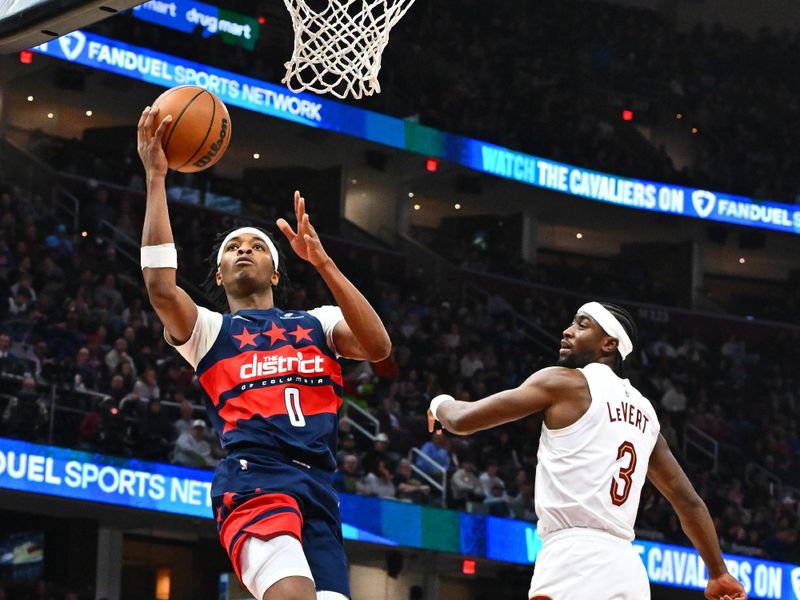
x=215 y=147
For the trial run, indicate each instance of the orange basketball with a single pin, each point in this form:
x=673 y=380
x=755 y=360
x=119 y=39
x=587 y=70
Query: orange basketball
x=200 y=130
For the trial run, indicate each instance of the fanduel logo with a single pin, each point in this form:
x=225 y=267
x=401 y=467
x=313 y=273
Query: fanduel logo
x=704 y=202
x=72 y=44
x=281 y=365
x=796 y=582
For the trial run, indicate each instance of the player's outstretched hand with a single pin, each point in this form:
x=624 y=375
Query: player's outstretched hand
x=149 y=138
x=725 y=587
x=305 y=242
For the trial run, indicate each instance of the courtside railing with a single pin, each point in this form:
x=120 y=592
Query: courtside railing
x=753 y=472
x=440 y=485
x=695 y=439
x=369 y=427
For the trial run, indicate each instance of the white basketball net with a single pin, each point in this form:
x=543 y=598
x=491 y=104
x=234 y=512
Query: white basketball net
x=338 y=49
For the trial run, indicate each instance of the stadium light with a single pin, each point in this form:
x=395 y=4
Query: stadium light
x=627 y=115
x=26 y=57
x=468 y=567
x=431 y=165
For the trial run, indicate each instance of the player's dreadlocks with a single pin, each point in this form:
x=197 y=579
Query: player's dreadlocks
x=216 y=294
x=626 y=320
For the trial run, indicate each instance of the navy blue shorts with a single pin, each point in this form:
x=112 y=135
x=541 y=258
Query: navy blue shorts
x=265 y=495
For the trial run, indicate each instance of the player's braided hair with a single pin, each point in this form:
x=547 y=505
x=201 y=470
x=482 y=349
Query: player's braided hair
x=216 y=294
x=626 y=320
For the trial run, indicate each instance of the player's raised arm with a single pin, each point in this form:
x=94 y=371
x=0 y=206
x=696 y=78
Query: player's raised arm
x=361 y=335
x=159 y=260
x=670 y=479
x=538 y=393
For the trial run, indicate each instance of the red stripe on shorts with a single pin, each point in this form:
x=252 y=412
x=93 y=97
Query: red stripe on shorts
x=289 y=522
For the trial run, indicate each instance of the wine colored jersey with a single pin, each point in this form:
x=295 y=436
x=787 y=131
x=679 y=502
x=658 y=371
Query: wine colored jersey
x=270 y=379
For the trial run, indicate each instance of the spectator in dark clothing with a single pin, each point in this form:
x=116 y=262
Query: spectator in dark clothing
x=83 y=375
x=379 y=452
x=8 y=362
x=154 y=433
x=25 y=416
x=408 y=486
x=347 y=476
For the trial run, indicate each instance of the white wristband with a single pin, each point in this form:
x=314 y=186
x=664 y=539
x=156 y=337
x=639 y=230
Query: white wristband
x=163 y=256
x=436 y=402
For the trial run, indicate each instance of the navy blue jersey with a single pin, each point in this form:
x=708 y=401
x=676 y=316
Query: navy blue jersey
x=270 y=379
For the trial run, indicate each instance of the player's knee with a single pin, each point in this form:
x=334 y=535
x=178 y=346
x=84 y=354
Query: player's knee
x=291 y=588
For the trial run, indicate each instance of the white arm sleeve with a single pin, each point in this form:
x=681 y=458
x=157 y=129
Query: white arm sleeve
x=205 y=332
x=328 y=316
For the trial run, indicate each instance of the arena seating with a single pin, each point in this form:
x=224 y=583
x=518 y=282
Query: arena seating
x=77 y=318
x=568 y=80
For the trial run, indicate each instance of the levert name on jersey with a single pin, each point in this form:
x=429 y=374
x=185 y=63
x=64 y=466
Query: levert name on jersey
x=626 y=412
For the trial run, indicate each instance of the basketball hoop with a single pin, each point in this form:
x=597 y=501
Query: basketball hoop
x=338 y=49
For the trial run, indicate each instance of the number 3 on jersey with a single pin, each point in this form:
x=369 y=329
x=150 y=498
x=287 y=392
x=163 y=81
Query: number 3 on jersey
x=619 y=493
x=291 y=396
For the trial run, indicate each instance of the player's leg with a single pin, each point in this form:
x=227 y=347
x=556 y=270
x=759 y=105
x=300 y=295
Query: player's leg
x=276 y=569
x=291 y=588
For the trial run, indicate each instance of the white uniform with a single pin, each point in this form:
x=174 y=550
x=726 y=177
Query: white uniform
x=588 y=483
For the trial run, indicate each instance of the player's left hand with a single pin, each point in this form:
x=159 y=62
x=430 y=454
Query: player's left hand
x=431 y=421
x=725 y=587
x=305 y=242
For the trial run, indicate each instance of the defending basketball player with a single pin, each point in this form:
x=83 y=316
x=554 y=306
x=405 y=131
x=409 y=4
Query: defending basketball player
x=600 y=439
x=272 y=385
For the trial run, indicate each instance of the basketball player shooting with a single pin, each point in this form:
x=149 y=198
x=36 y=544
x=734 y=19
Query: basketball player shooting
x=599 y=440
x=272 y=384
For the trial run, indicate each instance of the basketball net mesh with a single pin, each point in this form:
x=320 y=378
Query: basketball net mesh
x=338 y=49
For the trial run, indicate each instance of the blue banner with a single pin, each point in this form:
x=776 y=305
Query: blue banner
x=682 y=567
x=308 y=109
x=132 y=483
x=79 y=475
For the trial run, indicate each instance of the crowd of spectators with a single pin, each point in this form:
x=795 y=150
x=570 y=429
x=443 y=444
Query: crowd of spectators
x=83 y=362
x=77 y=319
x=562 y=90
x=552 y=78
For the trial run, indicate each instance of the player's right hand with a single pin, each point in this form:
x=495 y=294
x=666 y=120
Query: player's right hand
x=725 y=587
x=149 y=138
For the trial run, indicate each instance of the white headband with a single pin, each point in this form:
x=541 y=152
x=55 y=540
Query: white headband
x=251 y=231
x=610 y=325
